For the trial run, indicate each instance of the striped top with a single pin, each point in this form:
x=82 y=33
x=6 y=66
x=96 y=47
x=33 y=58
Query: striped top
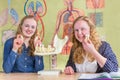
x=105 y=50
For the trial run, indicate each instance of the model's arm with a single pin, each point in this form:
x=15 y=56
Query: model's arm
x=39 y=63
x=9 y=57
x=70 y=61
x=107 y=59
x=111 y=64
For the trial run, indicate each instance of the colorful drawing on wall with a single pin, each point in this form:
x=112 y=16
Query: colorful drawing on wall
x=3 y=17
x=95 y=4
x=9 y=11
x=97 y=18
x=14 y=15
x=67 y=30
x=14 y=20
x=64 y=19
x=7 y=34
x=38 y=13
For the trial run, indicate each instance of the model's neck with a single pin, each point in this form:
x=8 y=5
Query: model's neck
x=26 y=41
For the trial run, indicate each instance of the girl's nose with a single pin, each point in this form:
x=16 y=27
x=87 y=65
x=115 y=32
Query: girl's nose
x=79 y=31
x=29 y=28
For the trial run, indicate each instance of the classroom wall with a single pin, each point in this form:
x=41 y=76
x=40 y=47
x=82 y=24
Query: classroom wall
x=109 y=30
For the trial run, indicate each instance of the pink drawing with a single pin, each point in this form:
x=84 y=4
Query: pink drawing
x=38 y=13
x=13 y=16
x=7 y=34
x=64 y=19
x=95 y=4
x=3 y=17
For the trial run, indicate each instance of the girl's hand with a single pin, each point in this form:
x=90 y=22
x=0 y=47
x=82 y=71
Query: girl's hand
x=88 y=45
x=18 y=41
x=69 y=70
x=37 y=41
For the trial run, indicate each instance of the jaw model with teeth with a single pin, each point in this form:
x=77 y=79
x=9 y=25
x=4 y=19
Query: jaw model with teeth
x=56 y=49
x=87 y=38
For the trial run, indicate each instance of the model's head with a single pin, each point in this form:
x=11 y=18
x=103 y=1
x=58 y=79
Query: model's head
x=27 y=27
x=83 y=26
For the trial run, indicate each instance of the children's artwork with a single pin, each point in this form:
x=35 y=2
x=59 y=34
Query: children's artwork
x=35 y=8
x=39 y=11
x=67 y=30
x=3 y=17
x=14 y=17
x=95 y=4
x=9 y=11
x=7 y=34
x=13 y=13
x=97 y=18
x=65 y=19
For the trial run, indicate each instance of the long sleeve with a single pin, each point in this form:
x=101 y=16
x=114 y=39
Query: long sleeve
x=23 y=62
x=70 y=61
x=39 y=65
x=111 y=64
x=9 y=57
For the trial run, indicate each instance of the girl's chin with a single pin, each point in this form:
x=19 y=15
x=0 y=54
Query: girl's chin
x=80 y=41
x=28 y=36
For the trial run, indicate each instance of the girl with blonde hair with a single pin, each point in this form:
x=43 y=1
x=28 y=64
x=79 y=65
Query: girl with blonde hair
x=89 y=53
x=19 y=51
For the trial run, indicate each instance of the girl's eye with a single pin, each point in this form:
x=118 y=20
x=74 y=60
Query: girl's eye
x=33 y=27
x=26 y=25
x=82 y=29
x=76 y=30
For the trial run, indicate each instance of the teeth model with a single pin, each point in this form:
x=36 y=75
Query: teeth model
x=87 y=36
x=42 y=49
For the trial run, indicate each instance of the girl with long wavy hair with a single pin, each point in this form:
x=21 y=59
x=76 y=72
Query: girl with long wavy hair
x=89 y=53
x=19 y=51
